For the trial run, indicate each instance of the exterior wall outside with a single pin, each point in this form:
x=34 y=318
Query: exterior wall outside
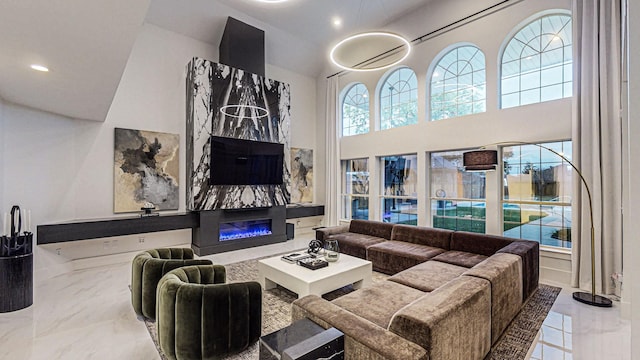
x=66 y=165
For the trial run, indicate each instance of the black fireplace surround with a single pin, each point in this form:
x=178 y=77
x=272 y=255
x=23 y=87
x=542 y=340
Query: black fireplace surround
x=252 y=226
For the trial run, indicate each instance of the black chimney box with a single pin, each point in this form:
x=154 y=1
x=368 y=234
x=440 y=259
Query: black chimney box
x=242 y=47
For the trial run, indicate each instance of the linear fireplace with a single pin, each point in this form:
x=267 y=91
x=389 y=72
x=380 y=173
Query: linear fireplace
x=233 y=229
x=244 y=229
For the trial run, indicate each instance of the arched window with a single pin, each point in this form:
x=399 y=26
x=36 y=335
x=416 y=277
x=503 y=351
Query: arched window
x=458 y=84
x=537 y=62
x=399 y=99
x=355 y=110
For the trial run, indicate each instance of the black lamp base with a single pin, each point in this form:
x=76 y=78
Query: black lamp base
x=590 y=299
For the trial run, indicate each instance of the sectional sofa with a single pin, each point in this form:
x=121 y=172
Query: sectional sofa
x=451 y=294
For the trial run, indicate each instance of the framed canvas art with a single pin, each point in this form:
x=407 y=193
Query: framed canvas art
x=146 y=169
x=301 y=175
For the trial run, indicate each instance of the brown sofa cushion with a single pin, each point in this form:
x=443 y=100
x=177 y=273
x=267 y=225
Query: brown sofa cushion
x=529 y=251
x=391 y=257
x=439 y=238
x=460 y=258
x=374 y=228
x=504 y=272
x=481 y=244
x=452 y=322
x=378 y=303
x=364 y=340
x=324 y=232
x=355 y=244
x=428 y=276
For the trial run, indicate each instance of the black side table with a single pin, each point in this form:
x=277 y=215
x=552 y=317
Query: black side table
x=302 y=340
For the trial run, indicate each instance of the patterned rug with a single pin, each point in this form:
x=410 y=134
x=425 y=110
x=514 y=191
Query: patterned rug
x=276 y=307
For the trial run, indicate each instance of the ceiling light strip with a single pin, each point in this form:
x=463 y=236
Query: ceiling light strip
x=406 y=44
x=382 y=56
x=40 y=68
x=465 y=20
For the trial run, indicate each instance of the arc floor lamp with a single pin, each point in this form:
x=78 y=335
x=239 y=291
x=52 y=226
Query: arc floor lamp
x=487 y=160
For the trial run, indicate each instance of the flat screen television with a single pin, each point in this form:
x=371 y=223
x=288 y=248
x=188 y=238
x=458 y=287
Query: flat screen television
x=245 y=162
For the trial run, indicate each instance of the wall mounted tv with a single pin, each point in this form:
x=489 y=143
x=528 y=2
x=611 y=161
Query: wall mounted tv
x=245 y=162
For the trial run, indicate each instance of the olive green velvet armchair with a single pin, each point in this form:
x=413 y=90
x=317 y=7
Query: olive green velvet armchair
x=200 y=317
x=147 y=269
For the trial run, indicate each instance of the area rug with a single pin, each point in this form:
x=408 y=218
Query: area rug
x=513 y=345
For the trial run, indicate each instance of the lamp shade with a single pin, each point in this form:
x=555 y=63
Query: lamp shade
x=480 y=160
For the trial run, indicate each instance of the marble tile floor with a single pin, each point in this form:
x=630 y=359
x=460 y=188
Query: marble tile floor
x=577 y=331
x=87 y=314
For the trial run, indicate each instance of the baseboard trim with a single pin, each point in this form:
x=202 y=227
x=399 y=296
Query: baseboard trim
x=555 y=276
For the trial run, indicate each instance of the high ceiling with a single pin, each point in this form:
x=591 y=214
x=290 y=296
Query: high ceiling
x=299 y=33
x=86 y=44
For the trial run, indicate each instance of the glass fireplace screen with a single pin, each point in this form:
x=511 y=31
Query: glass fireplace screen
x=244 y=229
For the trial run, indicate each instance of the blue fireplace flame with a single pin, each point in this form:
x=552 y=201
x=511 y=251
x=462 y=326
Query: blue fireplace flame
x=244 y=229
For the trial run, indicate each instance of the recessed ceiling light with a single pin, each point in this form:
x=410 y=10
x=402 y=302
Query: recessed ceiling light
x=39 y=67
x=337 y=22
x=271 y=1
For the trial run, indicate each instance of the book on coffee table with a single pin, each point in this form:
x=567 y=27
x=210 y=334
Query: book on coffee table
x=294 y=257
x=313 y=263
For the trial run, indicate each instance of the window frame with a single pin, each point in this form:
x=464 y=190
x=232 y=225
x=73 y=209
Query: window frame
x=346 y=164
x=437 y=198
x=382 y=84
x=566 y=86
x=346 y=95
x=382 y=196
x=540 y=203
x=436 y=65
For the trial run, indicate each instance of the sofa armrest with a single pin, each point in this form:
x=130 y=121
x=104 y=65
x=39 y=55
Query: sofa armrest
x=364 y=340
x=504 y=272
x=323 y=233
x=451 y=322
x=529 y=251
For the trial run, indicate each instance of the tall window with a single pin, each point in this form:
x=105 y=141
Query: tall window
x=355 y=189
x=537 y=193
x=458 y=84
x=355 y=111
x=399 y=201
x=399 y=99
x=537 y=62
x=457 y=196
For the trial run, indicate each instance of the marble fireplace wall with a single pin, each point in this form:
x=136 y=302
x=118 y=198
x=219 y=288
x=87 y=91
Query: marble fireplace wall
x=210 y=87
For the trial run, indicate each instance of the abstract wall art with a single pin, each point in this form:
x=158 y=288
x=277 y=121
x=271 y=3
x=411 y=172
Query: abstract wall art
x=229 y=102
x=301 y=175
x=146 y=169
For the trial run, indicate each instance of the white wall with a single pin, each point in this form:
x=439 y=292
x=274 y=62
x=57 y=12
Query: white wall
x=1 y=156
x=548 y=121
x=64 y=166
x=631 y=249
x=302 y=129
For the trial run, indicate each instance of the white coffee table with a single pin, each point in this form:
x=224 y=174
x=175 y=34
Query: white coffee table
x=347 y=270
